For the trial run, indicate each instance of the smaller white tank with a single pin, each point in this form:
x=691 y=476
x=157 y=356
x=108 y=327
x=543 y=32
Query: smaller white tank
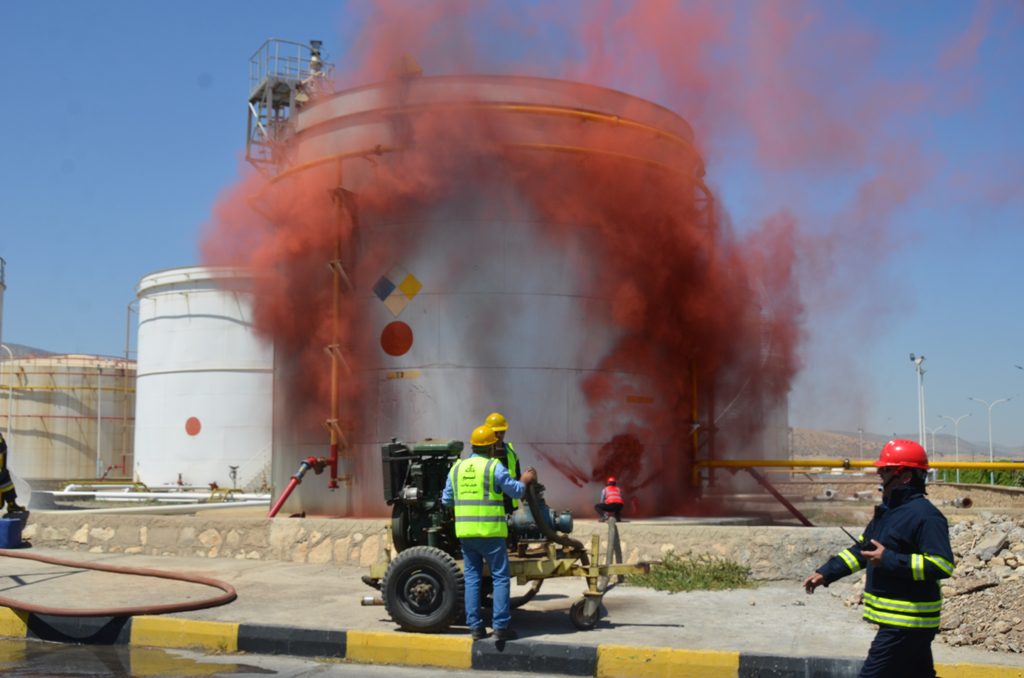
x=205 y=381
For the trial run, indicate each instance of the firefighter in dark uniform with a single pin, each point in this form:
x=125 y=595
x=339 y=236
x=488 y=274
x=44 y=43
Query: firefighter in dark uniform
x=906 y=551
x=8 y=495
x=505 y=453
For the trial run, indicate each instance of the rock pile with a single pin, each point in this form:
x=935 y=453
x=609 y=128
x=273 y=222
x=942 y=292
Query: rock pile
x=984 y=599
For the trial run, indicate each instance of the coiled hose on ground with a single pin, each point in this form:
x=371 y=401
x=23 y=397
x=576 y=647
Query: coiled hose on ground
x=229 y=591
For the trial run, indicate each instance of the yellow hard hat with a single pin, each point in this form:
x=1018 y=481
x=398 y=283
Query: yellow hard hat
x=497 y=421
x=483 y=436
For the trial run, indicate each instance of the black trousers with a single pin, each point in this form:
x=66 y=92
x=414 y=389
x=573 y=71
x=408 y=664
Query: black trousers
x=900 y=653
x=609 y=508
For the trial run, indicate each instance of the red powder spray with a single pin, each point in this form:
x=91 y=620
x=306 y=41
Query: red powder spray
x=707 y=318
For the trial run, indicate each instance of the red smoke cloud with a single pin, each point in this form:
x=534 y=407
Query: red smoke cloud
x=691 y=299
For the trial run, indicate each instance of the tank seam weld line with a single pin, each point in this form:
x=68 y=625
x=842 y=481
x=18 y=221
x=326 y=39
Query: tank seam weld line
x=603 y=660
x=246 y=370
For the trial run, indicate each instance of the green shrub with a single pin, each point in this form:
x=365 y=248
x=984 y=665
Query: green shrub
x=688 y=572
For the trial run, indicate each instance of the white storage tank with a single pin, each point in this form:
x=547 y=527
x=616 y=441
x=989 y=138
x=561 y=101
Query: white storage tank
x=70 y=416
x=474 y=307
x=204 y=394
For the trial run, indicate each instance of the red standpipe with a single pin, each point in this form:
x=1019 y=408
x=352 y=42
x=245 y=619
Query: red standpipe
x=332 y=463
x=308 y=463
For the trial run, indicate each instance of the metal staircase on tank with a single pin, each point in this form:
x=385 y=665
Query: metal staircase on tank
x=283 y=76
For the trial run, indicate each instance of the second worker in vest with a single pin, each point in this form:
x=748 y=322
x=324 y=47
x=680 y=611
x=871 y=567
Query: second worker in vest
x=504 y=452
x=476 y=487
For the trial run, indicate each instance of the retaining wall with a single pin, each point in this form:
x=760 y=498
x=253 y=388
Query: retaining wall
x=769 y=552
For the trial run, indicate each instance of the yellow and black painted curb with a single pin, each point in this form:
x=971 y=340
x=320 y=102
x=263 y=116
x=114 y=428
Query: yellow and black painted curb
x=442 y=651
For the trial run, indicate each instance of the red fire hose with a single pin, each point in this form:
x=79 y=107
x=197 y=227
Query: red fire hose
x=226 y=597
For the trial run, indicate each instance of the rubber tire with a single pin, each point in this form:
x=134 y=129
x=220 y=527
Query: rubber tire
x=433 y=564
x=577 y=618
x=399 y=518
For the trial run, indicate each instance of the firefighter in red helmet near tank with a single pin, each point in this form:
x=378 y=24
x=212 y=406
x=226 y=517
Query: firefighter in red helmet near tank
x=611 y=501
x=905 y=549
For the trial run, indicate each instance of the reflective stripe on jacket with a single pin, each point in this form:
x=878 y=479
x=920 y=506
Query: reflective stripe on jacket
x=512 y=464
x=904 y=589
x=479 y=504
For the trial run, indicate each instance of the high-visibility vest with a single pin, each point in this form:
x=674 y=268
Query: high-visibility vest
x=512 y=464
x=479 y=503
x=612 y=495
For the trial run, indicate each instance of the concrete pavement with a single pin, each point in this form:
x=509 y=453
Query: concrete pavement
x=314 y=610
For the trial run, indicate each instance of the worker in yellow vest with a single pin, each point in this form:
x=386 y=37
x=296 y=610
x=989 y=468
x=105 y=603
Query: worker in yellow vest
x=505 y=453
x=476 y=487
x=7 y=493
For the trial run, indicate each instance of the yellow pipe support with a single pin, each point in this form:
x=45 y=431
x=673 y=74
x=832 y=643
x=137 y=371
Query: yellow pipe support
x=847 y=463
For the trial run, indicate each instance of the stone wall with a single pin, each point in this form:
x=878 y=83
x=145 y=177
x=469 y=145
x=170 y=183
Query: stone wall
x=770 y=552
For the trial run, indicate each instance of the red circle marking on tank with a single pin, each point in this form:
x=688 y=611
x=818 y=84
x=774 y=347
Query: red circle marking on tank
x=193 y=426
x=396 y=339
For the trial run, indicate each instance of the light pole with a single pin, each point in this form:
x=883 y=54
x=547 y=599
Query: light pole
x=931 y=449
x=918 y=361
x=99 y=421
x=860 y=441
x=991 y=458
x=956 y=434
x=10 y=386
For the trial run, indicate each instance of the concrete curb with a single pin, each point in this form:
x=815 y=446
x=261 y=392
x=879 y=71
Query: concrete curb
x=445 y=651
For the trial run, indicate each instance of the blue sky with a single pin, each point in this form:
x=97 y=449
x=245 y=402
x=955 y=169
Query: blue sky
x=124 y=121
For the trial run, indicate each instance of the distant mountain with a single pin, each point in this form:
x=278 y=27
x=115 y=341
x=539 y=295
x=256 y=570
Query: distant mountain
x=812 y=443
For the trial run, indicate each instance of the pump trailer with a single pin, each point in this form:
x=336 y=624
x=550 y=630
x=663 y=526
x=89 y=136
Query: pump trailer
x=422 y=585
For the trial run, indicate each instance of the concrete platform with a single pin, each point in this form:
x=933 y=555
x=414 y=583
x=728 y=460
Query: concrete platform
x=314 y=610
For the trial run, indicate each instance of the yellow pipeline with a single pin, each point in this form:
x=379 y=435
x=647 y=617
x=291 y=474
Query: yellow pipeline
x=840 y=463
x=849 y=463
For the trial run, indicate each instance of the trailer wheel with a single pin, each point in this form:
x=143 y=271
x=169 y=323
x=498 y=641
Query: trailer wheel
x=423 y=589
x=580 y=620
x=400 y=528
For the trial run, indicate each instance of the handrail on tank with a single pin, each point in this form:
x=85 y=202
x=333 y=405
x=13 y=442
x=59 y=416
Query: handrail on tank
x=284 y=60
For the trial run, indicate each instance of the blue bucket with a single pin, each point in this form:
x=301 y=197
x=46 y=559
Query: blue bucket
x=10 y=533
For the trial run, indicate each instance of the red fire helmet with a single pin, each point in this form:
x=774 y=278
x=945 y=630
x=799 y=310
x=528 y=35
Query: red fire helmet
x=611 y=480
x=905 y=453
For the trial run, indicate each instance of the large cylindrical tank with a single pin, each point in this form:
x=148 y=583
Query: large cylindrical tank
x=204 y=393
x=431 y=375
x=70 y=416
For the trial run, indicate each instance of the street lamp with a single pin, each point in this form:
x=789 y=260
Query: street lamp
x=956 y=434
x=991 y=458
x=918 y=361
x=860 y=440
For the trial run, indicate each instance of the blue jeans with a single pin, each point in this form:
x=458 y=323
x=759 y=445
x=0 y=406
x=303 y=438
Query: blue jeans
x=494 y=550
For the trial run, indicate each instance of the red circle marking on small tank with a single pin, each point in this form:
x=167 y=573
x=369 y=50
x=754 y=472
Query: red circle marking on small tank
x=193 y=426
x=396 y=339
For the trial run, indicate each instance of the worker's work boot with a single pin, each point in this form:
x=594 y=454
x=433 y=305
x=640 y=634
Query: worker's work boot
x=12 y=507
x=505 y=634
x=478 y=632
